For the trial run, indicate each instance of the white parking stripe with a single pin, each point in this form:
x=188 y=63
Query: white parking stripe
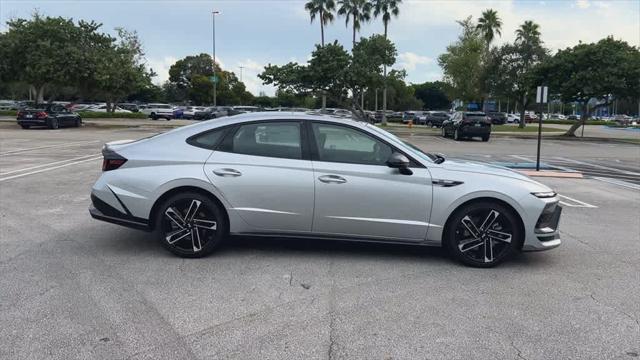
x=48 y=164
x=49 y=169
x=597 y=166
x=49 y=147
x=522 y=158
x=577 y=203
x=618 y=182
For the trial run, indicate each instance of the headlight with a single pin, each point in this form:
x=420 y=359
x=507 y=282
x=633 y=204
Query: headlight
x=544 y=194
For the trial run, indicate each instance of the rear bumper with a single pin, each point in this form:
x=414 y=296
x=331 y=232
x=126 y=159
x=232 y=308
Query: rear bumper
x=100 y=210
x=475 y=131
x=41 y=122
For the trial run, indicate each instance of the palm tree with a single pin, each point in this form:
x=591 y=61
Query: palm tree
x=323 y=9
x=489 y=25
x=359 y=10
x=528 y=33
x=386 y=8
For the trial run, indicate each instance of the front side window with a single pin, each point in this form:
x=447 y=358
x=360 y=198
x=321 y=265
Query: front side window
x=343 y=144
x=276 y=139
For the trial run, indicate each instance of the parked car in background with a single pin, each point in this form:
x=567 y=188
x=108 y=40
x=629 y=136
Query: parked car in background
x=498 y=118
x=8 y=105
x=157 y=111
x=530 y=117
x=103 y=108
x=436 y=118
x=573 y=117
x=623 y=119
x=513 y=118
x=211 y=112
x=555 y=117
x=188 y=112
x=52 y=116
x=467 y=124
x=129 y=106
x=235 y=110
x=409 y=116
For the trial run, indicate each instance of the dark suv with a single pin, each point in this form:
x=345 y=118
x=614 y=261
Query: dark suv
x=436 y=118
x=52 y=116
x=467 y=124
x=498 y=118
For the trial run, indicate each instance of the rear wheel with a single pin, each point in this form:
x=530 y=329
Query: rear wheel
x=483 y=234
x=190 y=225
x=53 y=124
x=485 y=138
x=154 y=116
x=76 y=123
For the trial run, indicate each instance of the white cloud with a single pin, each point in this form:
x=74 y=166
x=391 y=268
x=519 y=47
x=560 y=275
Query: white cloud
x=409 y=60
x=583 y=4
x=250 y=71
x=161 y=68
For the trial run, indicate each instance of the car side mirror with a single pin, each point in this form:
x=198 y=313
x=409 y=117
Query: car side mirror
x=400 y=162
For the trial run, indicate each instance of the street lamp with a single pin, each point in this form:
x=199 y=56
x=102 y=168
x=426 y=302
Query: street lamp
x=213 y=34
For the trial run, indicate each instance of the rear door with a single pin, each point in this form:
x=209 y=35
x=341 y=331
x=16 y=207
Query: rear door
x=262 y=171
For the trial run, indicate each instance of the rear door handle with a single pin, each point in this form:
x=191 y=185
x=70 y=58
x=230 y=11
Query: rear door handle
x=227 y=172
x=332 y=179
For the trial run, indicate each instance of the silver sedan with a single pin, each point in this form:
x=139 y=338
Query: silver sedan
x=315 y=176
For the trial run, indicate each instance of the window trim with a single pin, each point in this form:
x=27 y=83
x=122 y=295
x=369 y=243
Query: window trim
x=315 y=156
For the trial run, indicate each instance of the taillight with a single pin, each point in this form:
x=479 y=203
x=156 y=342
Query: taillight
x=112 y=164
x=41 y=115
x=20 y=114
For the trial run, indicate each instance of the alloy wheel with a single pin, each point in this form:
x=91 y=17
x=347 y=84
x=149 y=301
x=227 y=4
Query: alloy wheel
x=188 y=225
x=484 y=236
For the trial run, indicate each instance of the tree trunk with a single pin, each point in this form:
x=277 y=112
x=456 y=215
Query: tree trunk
x=354 y=32
x=581 y=122
x=321 y=29
x=523 y=103
x=40 y=95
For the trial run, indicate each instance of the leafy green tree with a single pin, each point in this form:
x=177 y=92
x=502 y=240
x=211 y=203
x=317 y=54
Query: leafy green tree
x=357 y=10
x=121 y=70
x=489 y=24
x=51 y=51
x=593 y=75
x=462 y=63
x=323 y=9
x=529 y=33
x=386 y=8
x=182 y=71
x=433 y=95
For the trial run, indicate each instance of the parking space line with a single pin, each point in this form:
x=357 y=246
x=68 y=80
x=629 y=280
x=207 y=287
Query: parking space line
x=597 y=166
x=49 y=147
x=576 y=203
x=49 y=169
x=618 y=182
x=48 y=164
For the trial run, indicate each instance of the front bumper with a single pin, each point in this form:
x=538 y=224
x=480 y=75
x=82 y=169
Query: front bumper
x=546 y=233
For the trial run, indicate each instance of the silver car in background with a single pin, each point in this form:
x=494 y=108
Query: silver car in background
x=316 y=176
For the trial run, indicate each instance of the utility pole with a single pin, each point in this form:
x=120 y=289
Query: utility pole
x=241 y=67
x=213 y=35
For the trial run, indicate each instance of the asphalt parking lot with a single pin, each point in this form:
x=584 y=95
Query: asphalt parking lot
x=75 y=288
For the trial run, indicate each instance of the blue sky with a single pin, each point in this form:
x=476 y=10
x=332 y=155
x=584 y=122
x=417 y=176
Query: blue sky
x=253 y=33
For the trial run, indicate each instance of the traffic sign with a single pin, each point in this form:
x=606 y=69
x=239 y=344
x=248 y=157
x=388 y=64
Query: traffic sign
x=541 y=94
x=214 y=79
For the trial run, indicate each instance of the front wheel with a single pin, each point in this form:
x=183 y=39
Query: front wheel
x=483 y=234
x=77 y=123
x=153 y=116
x=485 y=138
x=24 y=126
x=190 y=225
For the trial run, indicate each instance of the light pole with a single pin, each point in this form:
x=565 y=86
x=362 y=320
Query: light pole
x=213 y=35
x=241 y=67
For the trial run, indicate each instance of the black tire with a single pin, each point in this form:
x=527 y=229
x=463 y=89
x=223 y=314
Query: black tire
x=485 y=138
x=153 y=116
x=503 y=235
x=25 y=126
x=77 y=122
x=53 y=124
x=186 y=242
x=456 y=135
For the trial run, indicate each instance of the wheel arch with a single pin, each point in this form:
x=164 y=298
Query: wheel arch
x=182 y=189
x=502 y=202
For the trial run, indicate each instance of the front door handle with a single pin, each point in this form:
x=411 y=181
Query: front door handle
x=332 y=179
x=227 y=172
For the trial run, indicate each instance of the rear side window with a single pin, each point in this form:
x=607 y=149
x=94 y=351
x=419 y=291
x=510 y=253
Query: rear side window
x=275 y=139
x=207 y=140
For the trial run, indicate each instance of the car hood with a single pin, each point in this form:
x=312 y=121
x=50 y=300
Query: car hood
x=488 y=169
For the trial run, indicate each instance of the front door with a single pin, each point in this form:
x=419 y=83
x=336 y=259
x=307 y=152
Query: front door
x=260 y=171
x=358 y=195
